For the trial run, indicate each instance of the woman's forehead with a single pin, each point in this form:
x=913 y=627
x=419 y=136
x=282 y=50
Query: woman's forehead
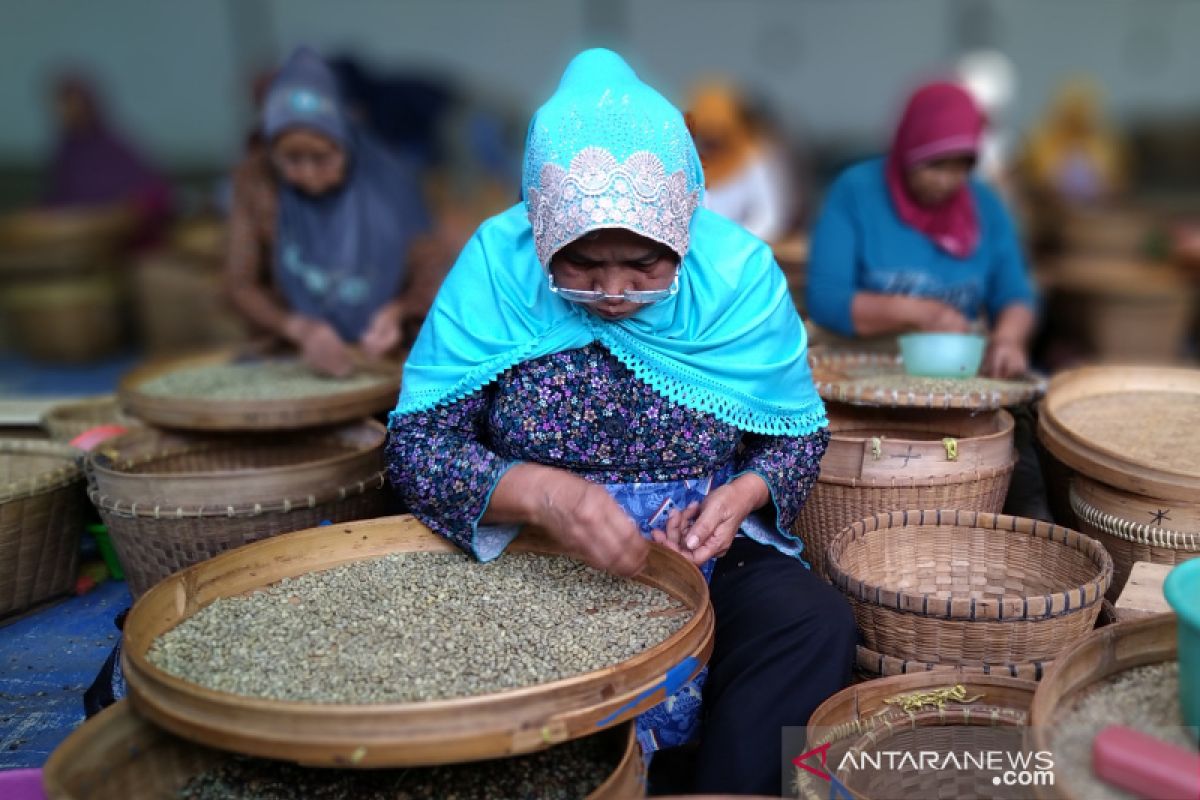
x=606 y=240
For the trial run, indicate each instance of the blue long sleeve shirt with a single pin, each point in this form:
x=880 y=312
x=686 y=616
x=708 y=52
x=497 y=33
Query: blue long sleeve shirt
x=860 y=244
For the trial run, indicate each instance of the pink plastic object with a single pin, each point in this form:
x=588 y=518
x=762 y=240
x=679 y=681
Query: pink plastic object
x=1145 y=766
x=21 y=784
x=94 y=436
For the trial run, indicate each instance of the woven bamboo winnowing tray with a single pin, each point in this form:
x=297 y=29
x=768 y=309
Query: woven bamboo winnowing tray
x=879 y=379
x=208 y=414
x=1136 y=429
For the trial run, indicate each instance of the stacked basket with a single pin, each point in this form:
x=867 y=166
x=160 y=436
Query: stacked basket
x=1130 y=438
x=170 y=729
x=903 y=520
x=216 y=473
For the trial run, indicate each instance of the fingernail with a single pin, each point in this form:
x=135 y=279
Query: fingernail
x=693 y=542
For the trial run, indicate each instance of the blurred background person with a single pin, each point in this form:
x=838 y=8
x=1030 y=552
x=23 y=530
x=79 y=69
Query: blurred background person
x=912 y=242
x=1073 y=156
x=325 y=245
x=96 y=167
x=746 y=178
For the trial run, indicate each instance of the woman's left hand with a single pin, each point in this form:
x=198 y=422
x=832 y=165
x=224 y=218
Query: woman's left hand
x=705 y=530
x=383 y=334
x=1005 y=359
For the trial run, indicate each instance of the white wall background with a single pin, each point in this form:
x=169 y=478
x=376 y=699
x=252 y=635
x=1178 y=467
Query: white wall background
x=175 y=72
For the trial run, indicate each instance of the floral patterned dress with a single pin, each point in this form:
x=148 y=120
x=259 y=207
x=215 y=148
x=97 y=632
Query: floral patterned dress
x=582 y=410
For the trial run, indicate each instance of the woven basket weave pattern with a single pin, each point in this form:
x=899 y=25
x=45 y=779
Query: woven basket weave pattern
x=959 y=587
x=41 y=518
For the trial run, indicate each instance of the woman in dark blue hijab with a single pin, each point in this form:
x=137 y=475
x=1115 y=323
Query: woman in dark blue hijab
x=325 y=229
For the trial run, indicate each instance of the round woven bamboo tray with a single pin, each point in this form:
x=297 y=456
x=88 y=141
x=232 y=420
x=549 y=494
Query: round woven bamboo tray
x=170 y=500
x=207 y=414
x=41 y=519
x=969 y=588
x=882 y=460
x=977 y=712
x=1128 y=427
x=119 y=756
x=1134 y=528
x=396 y=734
x=868 y=379
x=67 y=420
x=1099 y=656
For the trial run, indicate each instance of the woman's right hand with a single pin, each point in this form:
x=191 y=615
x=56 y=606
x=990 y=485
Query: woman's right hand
x=585 y=519
x=321 y=347
x=933 y=316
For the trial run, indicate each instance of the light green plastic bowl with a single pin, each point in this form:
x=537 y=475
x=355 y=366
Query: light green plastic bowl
x=942 y=355
x=1182 y=589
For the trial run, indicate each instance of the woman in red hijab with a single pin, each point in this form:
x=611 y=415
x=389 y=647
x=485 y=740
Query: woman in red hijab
x=914 y=242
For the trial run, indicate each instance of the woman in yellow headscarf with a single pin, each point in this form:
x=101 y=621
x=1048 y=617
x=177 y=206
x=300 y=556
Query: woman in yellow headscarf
x=745 y=179
x=1074 y=156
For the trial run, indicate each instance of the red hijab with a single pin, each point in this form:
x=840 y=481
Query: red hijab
x=940 y=120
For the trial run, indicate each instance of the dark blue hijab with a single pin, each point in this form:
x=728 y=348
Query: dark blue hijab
x=341 y=256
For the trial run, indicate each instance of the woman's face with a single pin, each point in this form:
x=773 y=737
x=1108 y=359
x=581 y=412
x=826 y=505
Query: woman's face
x=312 y=163
x=613 y=261
x=935 y=182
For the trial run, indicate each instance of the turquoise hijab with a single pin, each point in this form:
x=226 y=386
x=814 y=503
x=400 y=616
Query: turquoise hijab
x=608 y=151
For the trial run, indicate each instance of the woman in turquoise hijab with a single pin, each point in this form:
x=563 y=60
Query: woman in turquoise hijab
x=612 y=362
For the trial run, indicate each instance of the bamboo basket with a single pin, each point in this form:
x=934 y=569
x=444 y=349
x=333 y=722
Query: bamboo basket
x=1095 y=658
x=171 y=500
x=67 y=420
x=41 y=519
x=119 y=756
x=865 y=379
x=969 y=588
x=81 y=229
x=1134 y=528
x=874 y=664
x=180 y=304
x=870 y=664
x=984 y=713
x=72 y=318
x=397 y=734
x=881 y=460
x=207 y=414
x=1122 y=310
x=1113 y=231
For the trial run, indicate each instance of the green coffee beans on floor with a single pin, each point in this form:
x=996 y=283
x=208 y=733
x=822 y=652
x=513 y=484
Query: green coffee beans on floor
x=569 y=771
x=1144 y=698
x=414 y=627
x=259 y=380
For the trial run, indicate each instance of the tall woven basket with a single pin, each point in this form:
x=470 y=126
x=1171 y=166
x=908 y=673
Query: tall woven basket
x=883 y=460
x=967 y=588
x=172 y=500
x=41 y=518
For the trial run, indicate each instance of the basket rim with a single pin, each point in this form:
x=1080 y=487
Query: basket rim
x=864 y=657
x=833 y=389
x=1130 y=531
x=913 y=482
x=1008 y=609
x=56 y=478
x=284 y=505
x=180 y=442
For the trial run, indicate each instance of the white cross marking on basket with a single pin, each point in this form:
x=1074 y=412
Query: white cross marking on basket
x=909 y=456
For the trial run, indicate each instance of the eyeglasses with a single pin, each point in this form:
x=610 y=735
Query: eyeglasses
x=641 y=297
x=297 y=160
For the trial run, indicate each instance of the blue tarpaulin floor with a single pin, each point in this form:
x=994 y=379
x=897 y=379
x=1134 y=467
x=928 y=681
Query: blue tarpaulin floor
x=47 y=660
